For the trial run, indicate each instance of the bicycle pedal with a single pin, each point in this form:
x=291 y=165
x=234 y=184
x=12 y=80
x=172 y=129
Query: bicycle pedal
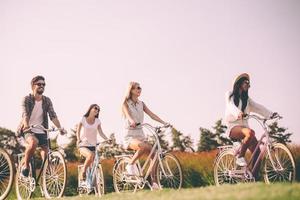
x=90 y=191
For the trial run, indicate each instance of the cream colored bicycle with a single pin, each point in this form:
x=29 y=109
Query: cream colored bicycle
x=166 y=165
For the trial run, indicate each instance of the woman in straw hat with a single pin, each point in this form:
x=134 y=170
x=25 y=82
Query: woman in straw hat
x=239 y=103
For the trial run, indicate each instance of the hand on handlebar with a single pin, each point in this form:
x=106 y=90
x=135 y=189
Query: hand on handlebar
x=62 y=131
x=167 y=125
x=133 y=124
x=26 y=129
x=241 y=115
x=275 y=115
x=108 y=141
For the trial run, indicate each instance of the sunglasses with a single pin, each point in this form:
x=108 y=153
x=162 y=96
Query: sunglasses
x=96 y=108
x=247 y=82
x=40 y=84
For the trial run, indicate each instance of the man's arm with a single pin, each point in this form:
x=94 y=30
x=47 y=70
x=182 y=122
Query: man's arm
x=25 y=114
x=53 y=116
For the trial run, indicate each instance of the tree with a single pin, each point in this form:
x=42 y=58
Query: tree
x=71 y=150
x=207 y=140
x=177 y=140
x=112 y=149
x=188 y=143
x=162 y=140
x=8 y=141
x=219 y=131
x=278 y=133
x=210 y=140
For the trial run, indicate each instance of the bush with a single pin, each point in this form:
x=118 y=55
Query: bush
x=197 y=170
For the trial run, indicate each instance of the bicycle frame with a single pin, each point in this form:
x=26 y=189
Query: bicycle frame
x=156 y=151
x=90 y=178
x=266 y=145
x=32 y=159
x=91 y=170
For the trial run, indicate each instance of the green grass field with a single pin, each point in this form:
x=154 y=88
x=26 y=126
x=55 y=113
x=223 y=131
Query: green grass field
x=253 y=191
x=198 y=183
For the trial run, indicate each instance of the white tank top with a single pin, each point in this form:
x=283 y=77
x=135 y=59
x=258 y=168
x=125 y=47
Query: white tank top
x=88 y=133
x=136 y=111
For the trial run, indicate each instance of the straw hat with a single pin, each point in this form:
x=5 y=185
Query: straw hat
x=243 y=75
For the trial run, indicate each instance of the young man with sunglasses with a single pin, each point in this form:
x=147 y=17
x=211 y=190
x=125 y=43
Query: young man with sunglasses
x=35 y=110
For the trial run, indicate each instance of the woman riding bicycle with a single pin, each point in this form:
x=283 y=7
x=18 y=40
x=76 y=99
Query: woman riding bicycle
x=87 y=137
x=238 y=103
x=133 y=110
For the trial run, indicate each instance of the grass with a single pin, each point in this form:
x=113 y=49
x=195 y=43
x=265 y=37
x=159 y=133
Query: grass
x=253 y=191
x=197 y=172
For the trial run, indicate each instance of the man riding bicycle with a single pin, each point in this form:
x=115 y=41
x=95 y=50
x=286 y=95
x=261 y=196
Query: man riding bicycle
x=35 y=110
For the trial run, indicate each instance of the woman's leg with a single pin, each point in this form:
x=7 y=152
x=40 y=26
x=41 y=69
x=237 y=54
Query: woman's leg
x=245 y=134
x=154 y=172
x=140 y=147
x=89 y=158
x=249 y=141
x=253 y=144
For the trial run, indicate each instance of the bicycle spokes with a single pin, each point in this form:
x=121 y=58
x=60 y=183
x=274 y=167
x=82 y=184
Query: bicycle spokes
x=54 y=175
x=6 y=174
x=279 y=165
x=24 y=185
x=169 y=172
x=122 y=181
x=225 y=169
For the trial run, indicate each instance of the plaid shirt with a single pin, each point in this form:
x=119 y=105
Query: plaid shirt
x=28 y=105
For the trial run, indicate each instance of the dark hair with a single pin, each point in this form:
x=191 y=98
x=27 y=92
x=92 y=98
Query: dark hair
x=36 y=79
x=236 y=94
x=89 y=110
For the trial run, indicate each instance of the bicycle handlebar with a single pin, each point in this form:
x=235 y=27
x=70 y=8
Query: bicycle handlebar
x=273 y=116
x=44 y=129
x=156 y=127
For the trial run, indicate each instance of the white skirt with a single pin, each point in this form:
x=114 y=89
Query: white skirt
x=133 y=134
x=231 y=125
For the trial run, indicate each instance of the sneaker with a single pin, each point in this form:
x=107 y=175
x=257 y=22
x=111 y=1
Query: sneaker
x=25 y=172
x=132 y=170
x=241 y=162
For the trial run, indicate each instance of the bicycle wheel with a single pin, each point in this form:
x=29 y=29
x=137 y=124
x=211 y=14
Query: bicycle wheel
x=54 y=175
x=169 y=172
x=279 y=165
x=6 y=174
x=122 y=183
x=24 y=185
x=224 y=165
x=99 y=181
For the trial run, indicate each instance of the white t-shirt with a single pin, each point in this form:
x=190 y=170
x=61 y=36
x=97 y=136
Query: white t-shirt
x=88 y=133
x=36 y=117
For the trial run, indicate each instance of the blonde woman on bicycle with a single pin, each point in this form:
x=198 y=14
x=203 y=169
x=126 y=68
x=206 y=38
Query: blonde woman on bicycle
x=238 y=103
x=133 y=110
x=87 y=131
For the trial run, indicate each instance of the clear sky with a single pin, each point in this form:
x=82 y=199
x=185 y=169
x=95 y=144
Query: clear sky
x=184 y=54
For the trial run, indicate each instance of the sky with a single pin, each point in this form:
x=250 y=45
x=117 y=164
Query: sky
x=185 y=55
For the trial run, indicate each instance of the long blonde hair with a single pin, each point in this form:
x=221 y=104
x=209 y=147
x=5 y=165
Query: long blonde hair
x=131 y=85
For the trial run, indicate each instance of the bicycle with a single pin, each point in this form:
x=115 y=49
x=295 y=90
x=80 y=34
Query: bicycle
x=53 y=172
x=167 y=166
x=94 y=175
x=278 y=165
x=6 y=173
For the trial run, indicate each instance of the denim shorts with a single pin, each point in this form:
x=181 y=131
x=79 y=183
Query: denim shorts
x=40 y=137
x=91 y=148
